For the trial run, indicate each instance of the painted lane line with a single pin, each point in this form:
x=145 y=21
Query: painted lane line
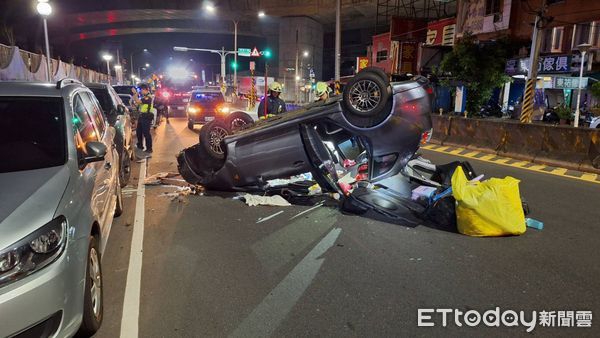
x=131 y=301
x=308 y=210
x=268 y=315
x=260 y=220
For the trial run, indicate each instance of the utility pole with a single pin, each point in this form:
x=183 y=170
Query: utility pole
x=296 y=77
x=235 y=48
x=338 y=44
x=528 y=96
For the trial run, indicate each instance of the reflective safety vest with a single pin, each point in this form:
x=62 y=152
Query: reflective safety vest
x=147 y=104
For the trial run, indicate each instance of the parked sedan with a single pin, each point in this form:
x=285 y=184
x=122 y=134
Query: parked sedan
x=60 y=192
x=118 y=116
x=376 y=124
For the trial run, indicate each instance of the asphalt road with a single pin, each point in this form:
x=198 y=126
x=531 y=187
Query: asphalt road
x=210 y=268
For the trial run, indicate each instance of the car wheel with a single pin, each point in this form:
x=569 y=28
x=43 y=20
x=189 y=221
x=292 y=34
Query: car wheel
x=349 y=205
x=92 y=300
x=212 y=135
x=119 y=207
x=375 y=70
x=190 y=125
x=237 y=120
x=125 y=169
x=367 y=100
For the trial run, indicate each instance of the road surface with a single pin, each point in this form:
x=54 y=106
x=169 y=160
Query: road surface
x=210 y=267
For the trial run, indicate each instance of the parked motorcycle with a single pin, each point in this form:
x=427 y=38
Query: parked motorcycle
x=491 y=110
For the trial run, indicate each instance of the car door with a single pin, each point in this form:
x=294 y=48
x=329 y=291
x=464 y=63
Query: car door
x=106 y=171
x=123 y=120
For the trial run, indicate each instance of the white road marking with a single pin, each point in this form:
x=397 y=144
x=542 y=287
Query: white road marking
x=260 y=220
x=309 y=210
x=266 y=317
x=131 y=302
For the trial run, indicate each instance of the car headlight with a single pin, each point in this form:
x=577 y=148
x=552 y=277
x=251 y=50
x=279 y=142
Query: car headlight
x=33 y=252
x=193 y=110
x=224 y=110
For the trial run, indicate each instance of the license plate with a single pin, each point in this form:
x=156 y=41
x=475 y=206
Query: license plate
x=180 y=108
x=209 y=118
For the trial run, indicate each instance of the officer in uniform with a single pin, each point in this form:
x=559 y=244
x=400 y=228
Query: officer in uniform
x=275 y=105
x=145 y=120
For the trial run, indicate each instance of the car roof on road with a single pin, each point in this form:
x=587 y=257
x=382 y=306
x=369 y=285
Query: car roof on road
x=23 y=88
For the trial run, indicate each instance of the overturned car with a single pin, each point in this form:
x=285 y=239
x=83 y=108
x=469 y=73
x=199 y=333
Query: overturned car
x=374 y=129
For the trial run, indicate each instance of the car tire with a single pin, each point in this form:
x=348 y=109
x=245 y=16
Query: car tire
x=125 y=168
x=367 y=100
x=93 y=304
x=375 y=70
x=190 y=125
x=351 y=206
x=119 y=207
x=211 y=138
x=238 y=120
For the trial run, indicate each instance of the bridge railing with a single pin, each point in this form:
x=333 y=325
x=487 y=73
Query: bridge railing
x=17 y=64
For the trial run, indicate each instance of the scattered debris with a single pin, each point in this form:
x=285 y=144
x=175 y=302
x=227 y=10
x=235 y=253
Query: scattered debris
x=534 y=223
x=182 y=192
x=275 y=200
x=157 y=178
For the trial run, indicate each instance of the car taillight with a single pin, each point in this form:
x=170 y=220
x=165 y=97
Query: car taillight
x=426 y=136
x=429 y=90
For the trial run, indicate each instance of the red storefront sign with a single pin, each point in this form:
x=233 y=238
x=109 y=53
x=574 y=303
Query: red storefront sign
x=362 y=62
x=381 y=52
x=408 y=57
x=441 y=32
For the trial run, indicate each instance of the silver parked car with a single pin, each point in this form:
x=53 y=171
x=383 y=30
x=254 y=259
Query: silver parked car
x=59 y=192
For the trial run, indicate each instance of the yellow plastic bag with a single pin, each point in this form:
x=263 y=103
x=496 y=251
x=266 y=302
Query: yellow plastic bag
x=489 y=208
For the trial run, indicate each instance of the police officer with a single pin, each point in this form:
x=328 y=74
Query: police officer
x=322 y=91
x=146 y=116
x=275 y=105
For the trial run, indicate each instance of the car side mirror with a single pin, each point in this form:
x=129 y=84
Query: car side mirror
x=120 y=109
x=95 y=151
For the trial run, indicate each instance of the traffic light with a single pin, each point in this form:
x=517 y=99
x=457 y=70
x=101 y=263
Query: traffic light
x=267 y=53
x=234 y=65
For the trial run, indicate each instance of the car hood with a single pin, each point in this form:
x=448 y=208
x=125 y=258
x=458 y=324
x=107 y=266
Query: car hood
x=28 y=200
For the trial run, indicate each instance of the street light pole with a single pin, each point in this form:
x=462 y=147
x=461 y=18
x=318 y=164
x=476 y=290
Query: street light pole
x=338 y=42
x=222 y=53
x=583 y=48
x=44 y=9
x=47 y=50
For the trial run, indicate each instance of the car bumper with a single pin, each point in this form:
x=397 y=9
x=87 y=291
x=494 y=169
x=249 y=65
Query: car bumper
x=50 y=299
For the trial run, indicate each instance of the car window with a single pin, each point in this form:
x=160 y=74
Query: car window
x=83 y=122
x=104 y=98
x=210 y=97
x=115 y=97
x=32 y=133
x=95 y=112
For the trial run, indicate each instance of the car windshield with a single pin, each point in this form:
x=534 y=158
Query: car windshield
x=104 y=99
x=33 y=133
x=211 y=98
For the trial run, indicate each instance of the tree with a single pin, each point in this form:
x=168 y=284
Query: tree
x=477 y=66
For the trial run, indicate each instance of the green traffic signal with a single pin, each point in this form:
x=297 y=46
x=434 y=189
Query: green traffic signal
x=234 y=65
x=267 y=54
